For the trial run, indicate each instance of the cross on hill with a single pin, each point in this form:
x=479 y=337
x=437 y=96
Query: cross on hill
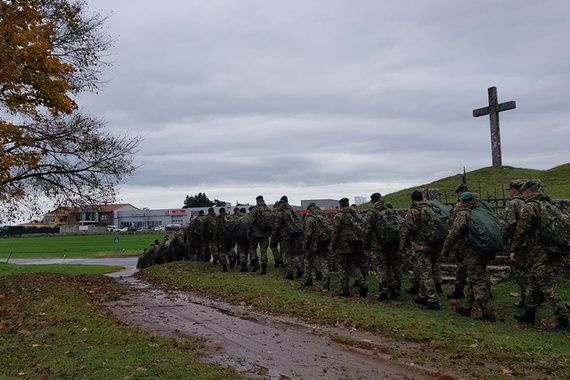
x=493 y=111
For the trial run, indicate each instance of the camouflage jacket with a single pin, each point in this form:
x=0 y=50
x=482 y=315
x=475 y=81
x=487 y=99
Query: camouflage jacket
x=209 y=228
x=288 y=218
x=371 y=233
x=220 y=229
x=527 y=231
x=340 y=240
x=458 y=234
x=410 y=232
x=310 y=230
x=256 y=215
x=512 y=215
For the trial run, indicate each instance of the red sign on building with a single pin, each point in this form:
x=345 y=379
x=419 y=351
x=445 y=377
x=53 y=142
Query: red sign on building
x=176 y=212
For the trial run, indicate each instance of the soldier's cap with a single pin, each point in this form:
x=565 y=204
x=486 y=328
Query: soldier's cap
x=344 y=200
x=460 y=188
x=528 y=184
x=311 y=205
x=375 y=196
x=243 y=210
x=211 y=209
x=201 y=212
x=259 y=197
x=285 y=199
x=222 y=211
x=236 y=208
x=516 y=184
x=466 y=196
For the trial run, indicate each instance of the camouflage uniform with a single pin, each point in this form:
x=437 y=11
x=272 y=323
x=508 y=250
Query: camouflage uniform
x=316 y=254
x=424 y=255
x=540 y=265
x=479 y=290
x=221 y=241
x=385 y=261
x=350 y=258
x=274 y=241
x=461 y=269
x=291 y=243
x=520 y=268
x=208 y=235
x=243 y=240
x=258 y=235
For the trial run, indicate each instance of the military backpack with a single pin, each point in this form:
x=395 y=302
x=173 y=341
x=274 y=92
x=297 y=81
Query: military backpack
x=434 y=226
x=324 y=227
x=485 y=232
x=554 y=228
x=352 y=229
x=389 y=229
x=264 y=219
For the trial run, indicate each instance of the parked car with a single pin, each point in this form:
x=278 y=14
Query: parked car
x=173 y=227
x=159 y=228
x=112 y=228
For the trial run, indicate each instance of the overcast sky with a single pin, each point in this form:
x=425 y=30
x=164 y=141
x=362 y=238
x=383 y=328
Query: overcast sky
x=324 y=99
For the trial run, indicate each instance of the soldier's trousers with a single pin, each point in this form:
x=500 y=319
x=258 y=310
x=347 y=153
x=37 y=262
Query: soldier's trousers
x=351 y=263
x=222 y=253
x=243 y=249
x=461 y=270
x=316 y=261
x=426 y=264
x=214 y=251
x=388 y=268
x=292 y=251
x=479 y=285
x=521 y=273
x=274 y=245
x=263 y=243
x=541 y=283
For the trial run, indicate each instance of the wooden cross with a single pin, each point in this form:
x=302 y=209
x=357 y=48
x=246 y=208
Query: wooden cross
x=493 y=111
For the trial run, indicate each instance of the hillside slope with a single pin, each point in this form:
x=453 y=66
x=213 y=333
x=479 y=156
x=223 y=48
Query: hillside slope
x=491 y=181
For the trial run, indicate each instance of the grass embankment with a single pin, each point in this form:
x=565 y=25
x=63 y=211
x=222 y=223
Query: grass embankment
x=491 y=181
x=52 y=327
x=487 y=350
x=76 y=246
x=13 y=269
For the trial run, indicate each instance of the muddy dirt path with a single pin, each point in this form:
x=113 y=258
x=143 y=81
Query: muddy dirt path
x=258 y=345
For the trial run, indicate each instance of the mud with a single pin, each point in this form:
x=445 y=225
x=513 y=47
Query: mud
x=258 y=345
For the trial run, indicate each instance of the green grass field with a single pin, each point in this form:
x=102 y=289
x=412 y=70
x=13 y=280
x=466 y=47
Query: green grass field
x=75 y=246
x=13 y=269
x=491 y=180
x=54 y=327
x=465 y=344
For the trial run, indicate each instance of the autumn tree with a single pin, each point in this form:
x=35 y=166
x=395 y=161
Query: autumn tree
x=198 y=200
x=50 y=51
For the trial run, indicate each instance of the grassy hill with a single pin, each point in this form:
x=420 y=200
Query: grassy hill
x=556 y=182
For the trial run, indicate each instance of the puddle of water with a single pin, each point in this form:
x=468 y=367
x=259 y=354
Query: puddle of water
x=260 y=346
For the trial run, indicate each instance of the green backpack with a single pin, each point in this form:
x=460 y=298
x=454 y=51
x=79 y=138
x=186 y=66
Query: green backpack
x=390 y=229
x=485 y=232
x=324 y=226
x=353 y=230
x=554 y=228
x=434 y=226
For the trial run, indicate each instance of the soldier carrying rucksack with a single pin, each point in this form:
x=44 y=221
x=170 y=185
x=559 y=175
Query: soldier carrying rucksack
x=316 y=237
x=542 y=232
x=347 y=247
x=260 y=224
x=381 y=243
x=424 y=231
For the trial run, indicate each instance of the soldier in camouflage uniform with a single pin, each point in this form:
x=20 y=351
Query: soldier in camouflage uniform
x=221 y=239
x=348 y=252
x=461 y=270
x=512 y=214
x=291 y=235
x=315 y=248
x=540 y=264
x=259 y=232
x=479 y=290
x=425 y=255
x=242 y=237
x=207 y=236
x=384 y=259
x=274 y=241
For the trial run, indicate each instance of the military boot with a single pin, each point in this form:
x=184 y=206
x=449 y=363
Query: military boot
x=263 y=269
x=421 y=301
x=463 y=311
x=363 y=290
x=255 y=266
x=413 y=290
x=308 y=282
x=563 y=325
x=327 y=284
x=438 y=288
x=299 y=273
x=528 y=316
x=224 y=267
x=382 y=297
x=433 y=306
x=394 y=293
x=343 y=293
x=232 y=262
x=457 y=293
x=289 y=276
x=244 y=267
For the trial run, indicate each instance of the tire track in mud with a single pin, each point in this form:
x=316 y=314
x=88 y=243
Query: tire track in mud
x=258 y=345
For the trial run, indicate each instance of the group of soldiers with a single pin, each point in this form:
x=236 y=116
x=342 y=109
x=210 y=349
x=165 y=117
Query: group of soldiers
x=354 y=242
